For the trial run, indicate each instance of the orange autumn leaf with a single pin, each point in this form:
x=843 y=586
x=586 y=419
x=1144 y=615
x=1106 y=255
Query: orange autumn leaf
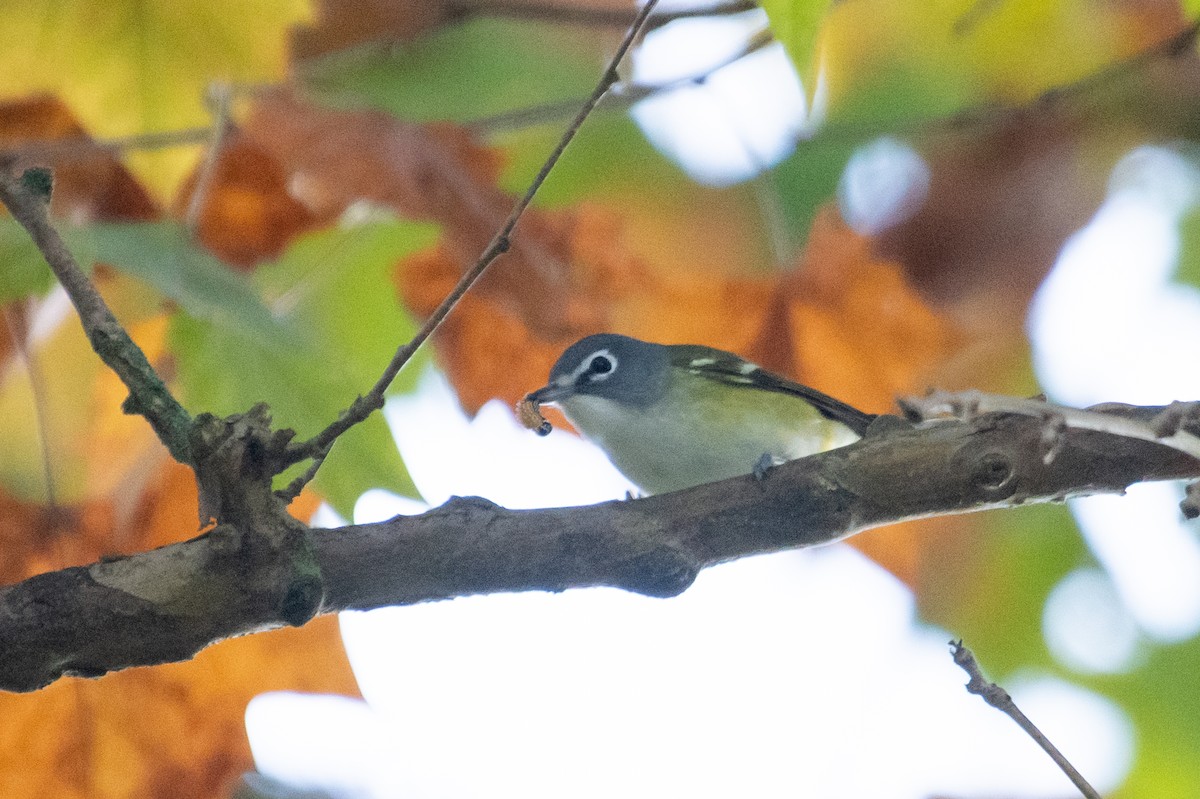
x=169 y=731
x=246 y=213
x=843 y=320
x=852 y=325
x=484 y=348
x=172 y=730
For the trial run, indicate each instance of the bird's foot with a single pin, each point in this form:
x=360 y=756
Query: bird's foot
x=764 y=465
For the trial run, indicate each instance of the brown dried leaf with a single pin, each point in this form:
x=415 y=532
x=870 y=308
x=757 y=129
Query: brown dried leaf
x=999 y=208
x=342 y=24
x=425 y=172
x=90 y=185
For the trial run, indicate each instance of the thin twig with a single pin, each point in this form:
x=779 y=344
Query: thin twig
x=998 y=698
x=28 y=199
x=621 y=96
x=317 y=448
x=978 y=11
x=37 y=387
x=852 y=129
x=624 y=95
x=85 y=147
x=220 y=98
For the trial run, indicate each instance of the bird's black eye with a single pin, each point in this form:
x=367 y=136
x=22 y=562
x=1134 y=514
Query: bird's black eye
x=600 y=365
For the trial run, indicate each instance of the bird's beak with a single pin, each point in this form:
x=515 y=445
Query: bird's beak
x=551 y=393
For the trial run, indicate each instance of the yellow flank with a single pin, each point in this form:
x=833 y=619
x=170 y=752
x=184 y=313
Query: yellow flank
x=709 y=434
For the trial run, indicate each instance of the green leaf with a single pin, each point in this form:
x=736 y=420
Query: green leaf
x=608 y=157
x=807 y=180
x=1160 y=698
x=610 y=164
x=463 y=72
x=993 y=594
x=162 y=254
x=23 y=270
x=334 y=289
x=796 y=24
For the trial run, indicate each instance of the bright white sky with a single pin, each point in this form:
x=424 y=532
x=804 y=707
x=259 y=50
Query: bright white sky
x=793 y=675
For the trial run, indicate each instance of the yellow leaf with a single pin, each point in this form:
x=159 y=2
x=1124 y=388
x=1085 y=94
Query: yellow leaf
x=137 y=66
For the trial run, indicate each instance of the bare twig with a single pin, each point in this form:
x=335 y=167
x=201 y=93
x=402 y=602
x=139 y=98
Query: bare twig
x=621 y=96
x=624 y=95
x=317 y=448
x=220 y=97
x=979 y=10
x=85 y=146
x=18 y=331
x=998 y=698
x=852 y=129
x=28 y=199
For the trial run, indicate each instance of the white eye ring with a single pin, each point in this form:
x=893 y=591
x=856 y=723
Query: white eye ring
x=587 y=367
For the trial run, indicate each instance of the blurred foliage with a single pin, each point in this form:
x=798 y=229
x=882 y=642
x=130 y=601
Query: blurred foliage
x=794 y=24
x=254 y=279
x=320 y=306
x=132 y=66
x=457 y=74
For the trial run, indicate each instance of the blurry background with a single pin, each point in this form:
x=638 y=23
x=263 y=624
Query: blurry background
x=872 y=196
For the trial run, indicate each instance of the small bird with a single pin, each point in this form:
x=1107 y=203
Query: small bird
x=674 y=416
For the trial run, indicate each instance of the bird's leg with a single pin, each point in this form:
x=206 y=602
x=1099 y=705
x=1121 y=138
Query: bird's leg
x=765 y=463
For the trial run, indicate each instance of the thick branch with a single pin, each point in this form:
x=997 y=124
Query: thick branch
x=167 y=604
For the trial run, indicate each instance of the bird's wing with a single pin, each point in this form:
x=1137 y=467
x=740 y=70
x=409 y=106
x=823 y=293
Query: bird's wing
x=725 y=367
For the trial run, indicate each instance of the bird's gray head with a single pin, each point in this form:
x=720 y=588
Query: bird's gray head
x=618 y=368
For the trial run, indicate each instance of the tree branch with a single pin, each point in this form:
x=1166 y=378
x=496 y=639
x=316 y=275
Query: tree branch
x=169 y=603
x=28 y=199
